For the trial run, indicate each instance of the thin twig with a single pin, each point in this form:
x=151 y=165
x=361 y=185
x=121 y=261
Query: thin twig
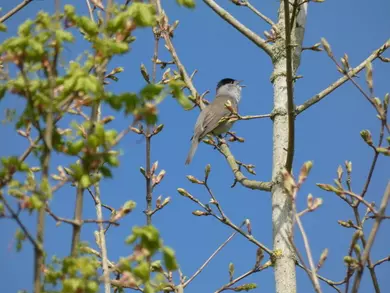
x=382 y=261
x=318 y=97
x=14 y=10
x=73 y=222
x=314 y=277
x=331 y=283
x=209 y=259
x=90 y=10
x=256 y=39
x=243 y=276
x=257 y=12
x=148 y=177
x=227 y=222
x=15 y=216
x=371 y=238
x=214 y=200
x=362 y=200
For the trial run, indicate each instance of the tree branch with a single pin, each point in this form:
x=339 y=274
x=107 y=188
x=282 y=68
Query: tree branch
x=14 y=10
x=243 y=276
x=209 y=259
x=371 y=238
x=318 y=97
x=257 y=40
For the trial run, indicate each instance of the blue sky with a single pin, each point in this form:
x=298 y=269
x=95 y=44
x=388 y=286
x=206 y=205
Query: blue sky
x=327 y=134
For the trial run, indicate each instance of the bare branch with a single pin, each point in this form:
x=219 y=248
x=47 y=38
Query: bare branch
x=240 y=177
x=257 y=40
x=15 y=216
x=371 y=238
x=14 y=10
x=243 y=276
x=318 y=97
x=209 y=259
x=313 y=274
x=251 y=7
x=382 y=261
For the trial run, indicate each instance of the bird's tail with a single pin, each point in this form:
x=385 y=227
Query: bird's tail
x=191 y=153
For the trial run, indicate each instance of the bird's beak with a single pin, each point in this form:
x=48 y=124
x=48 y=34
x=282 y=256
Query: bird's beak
x=239 y=83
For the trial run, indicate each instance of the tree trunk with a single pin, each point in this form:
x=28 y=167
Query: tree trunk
x=282 y=209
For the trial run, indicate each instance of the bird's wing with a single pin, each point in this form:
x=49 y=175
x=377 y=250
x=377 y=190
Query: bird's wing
x=208 y=120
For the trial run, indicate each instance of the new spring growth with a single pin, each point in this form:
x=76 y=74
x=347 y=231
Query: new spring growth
x=248 y=226
x=348 y=166
x=339 y=173
x=305 y=170
x=259 y=257
x=145 y=73
x=157 y=179
x=136 y=130
x=348 y=224
x=192 y=179
x=159 y=204
x=199 y=213
x=312 y=205
x=231 y=271
x=184 y=193
x=207 y=171
x=229 y=106
x=124 y=210
x=366 y=135
x=345 y=62
x=154 y=167
x=326 y=46
x=158 y=129
x=350 y=261
x=323 y=257
x=369 y=79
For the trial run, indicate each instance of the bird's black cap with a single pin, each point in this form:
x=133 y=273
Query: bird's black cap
x=225 y=81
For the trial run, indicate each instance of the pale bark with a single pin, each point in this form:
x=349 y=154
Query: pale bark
x=282 y=208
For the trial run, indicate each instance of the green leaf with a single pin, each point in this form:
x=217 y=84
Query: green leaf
x=169 y=259
x=142 y=271
x=3 y=27
x=186 y=3
x=88 y=26
x=35 y=202
x=25 y=28
x=20 y=237
x=150 y=237
x=75 y=147
x=46 y=188
x=177 y=93
x=112 y=160
x=106 y=172
x=151 y=91
x=245 y=287
x=130 y=101
x=3 y=90
x=85 y=181
x=143 y=14
x=64 y=36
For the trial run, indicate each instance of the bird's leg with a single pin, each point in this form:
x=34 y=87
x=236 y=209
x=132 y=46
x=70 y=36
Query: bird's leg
x=221 y=140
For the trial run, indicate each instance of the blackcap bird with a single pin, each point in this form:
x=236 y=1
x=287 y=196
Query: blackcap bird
x=209 y=120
